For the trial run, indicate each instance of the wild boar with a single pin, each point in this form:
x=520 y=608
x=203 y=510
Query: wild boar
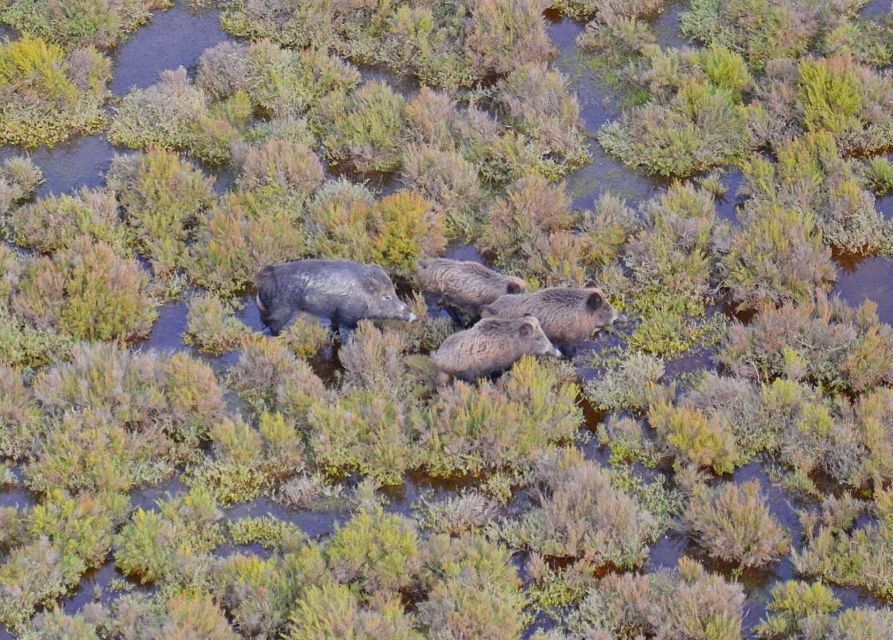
x=341 y=291
x=491 y=345
x=567 y=315
x=465 y=285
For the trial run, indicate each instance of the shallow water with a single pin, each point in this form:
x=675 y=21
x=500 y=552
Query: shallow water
x=178 y=37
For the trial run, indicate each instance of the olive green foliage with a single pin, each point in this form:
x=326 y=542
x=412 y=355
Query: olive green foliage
x=499 y=427
x=79 y=23
x=175 y=114
x=212 y=325
x=581 y=515
x=156 y=546
x=48 y=94
x=246 y=462
x=733 y=523
x=19 y=177
x=530 y=231
x=55 y=222
x=679 y=604
x=88 y=292
x=838 y=552
x=813 y=178
x=829 y=344
x=163 y=197
x=693 y=437
x=802 y=610
x=362 y=130
x=612 y=9
x=343 y=221
x=147 y=392
x=625 y=383
x=694 y=120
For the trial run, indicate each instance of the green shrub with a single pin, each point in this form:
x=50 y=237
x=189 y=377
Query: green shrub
x=798 y=607
x=143 y=391
x=624 y=384
x=196 y=616
x=693 y=437
x=34 y=575
x=20 y=418
x=305 y=336
x=175 y=114
x=699 y=128
x=880 y=175
x=674 y=604
x=363 y=130
x=19 y=177
x=376 y=550
x=829 y=95
x=56 y=625
x=255 y=593
x=46 y=95
x=246 y=462
x=535 y=101
x=581 y=515
x=468 y=511
x=628 y=441
x=55 y=222
x=504 y=35
x=733 y=523
x=333 y=611
x=81 y=22
x=88 y=292
x=474 y=590
x=163 y=198
x=211 y=325
x=280 y=166
x=777 y=256
x=500 y=427
x=241 y=235
x=156 y=545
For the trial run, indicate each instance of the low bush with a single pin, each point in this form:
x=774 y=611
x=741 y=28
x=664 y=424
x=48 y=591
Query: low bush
x=625 y=382
x=377 y=551
x=157 y=546
x=174 y=114
x=363 y=130
x=82 y=22
x=501 y=427
x=88 y=292
x=55 y=222
x=48 y=95
x=163 y=198
x=468 y=511
x=581 y=515
x=54 y=624
x=504 y=35
x=20 y=417
x=211 y=325
x=247 y=462
x=675 y=604
x=733 y=523
x=279 y=167
x=143 y=391
x=19 y=178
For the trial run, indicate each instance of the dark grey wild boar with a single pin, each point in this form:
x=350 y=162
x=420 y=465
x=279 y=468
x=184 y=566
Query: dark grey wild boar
x=340 y=291
x=464 y=284
x=567 y=315
x=492 y=345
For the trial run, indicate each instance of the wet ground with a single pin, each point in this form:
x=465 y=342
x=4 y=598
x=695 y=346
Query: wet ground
x=177 y=37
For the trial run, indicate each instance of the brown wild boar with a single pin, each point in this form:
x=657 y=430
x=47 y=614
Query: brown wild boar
x=464 y=284
x=566 y=315
x=491 y=345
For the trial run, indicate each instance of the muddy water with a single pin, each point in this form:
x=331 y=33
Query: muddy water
x=177 y=37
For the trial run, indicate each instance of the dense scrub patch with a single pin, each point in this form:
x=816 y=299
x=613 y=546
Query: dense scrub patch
x=80 y=23
x=47 y=94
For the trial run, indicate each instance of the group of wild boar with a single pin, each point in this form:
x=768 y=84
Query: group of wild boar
x=512 y=321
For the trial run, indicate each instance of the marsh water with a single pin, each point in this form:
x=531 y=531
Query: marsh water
x=177 y=38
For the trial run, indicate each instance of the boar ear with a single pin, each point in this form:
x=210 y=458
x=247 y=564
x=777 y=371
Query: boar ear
x=513 y=287
x=528 y=324
x=594 y=301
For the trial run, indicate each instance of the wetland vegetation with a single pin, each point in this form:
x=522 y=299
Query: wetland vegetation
x=720 y=467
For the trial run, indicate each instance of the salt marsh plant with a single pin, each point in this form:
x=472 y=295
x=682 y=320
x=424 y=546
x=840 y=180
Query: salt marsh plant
x=363 y=130
x=734 y=524
x=678 y=604
x=19 y=177
x=504 y=35
x=85 y=290
x=48 y=94
x=82 y=22
x=625 y=382
x=55 y=222
x=211 y=325
x=177 y=115
x=19 y=415
x=581 y=515
x=522 y=414
x=163 y=197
